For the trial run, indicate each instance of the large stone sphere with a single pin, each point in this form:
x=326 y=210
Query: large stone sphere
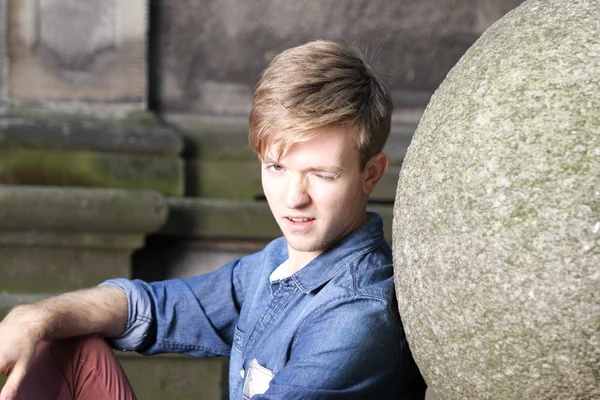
x=497 y=216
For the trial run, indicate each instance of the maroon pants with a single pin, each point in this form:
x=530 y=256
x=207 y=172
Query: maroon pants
x=83 y=368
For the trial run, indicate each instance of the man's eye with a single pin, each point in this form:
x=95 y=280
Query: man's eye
x=325 y=177
x=275 y=167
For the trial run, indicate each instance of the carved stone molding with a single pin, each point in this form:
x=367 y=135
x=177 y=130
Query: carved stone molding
x=81 y=57
x=91 y=51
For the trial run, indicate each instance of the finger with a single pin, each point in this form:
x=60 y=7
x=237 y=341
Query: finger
x=9 y=391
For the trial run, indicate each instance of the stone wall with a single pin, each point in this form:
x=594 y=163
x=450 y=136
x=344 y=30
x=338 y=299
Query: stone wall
x=411 y=43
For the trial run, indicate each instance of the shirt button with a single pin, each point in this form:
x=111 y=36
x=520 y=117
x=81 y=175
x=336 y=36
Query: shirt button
x=242 y=373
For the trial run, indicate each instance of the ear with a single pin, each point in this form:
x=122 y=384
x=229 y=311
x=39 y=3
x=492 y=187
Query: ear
x=373 y=172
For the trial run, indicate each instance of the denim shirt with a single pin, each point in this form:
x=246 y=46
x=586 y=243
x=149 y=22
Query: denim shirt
x=329 y=331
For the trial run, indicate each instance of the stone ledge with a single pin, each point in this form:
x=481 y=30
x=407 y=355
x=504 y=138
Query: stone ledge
x=89 y=148
x=25 y=208
x=71 y=239
x=136 y=134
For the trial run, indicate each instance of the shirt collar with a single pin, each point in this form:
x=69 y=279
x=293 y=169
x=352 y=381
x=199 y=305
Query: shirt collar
x=326 y=265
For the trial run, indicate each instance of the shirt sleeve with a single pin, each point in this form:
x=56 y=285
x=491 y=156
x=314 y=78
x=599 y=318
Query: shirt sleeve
x=349 y=349
x=195 y=316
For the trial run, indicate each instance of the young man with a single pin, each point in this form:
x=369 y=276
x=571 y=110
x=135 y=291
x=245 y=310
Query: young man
x=312 y=316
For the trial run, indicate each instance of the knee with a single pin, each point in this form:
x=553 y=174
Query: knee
x=93 y=343
x=74 y=347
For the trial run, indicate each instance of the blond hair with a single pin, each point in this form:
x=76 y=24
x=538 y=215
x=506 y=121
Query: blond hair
x=314 y=86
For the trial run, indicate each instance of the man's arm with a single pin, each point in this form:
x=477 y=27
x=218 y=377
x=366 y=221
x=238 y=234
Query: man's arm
x=101 y=310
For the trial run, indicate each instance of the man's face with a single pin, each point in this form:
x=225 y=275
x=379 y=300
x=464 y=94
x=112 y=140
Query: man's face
x=316 y=191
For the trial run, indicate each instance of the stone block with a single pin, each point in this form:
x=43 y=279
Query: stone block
x=58 y=239
x=69 y=51
x=176 y=377
x=497 y=215
x=224 y=179
x=131 y=151
x=39 y=269
x=127 y=132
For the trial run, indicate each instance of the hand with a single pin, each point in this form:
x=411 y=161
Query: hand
x=17 y=347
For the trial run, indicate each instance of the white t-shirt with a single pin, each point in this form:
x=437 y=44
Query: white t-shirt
x=281 y=272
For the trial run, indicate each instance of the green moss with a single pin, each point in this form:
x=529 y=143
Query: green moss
x=90 y=169
x=224 y=179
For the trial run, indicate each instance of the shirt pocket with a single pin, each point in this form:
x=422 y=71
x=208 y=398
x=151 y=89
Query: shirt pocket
x=238 y=338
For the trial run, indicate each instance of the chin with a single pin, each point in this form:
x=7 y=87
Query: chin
x=308 y=247
x=300 y=245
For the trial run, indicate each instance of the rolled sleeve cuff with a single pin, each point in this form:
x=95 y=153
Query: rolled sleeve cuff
x=139 y=318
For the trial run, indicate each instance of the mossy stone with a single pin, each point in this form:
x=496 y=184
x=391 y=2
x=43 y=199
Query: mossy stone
x=58 y=209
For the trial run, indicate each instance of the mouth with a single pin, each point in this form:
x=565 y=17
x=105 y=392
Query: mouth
x=299 y=220
x=299 y=224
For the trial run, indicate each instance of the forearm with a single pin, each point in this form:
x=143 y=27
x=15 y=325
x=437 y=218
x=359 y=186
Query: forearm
x=101 y=310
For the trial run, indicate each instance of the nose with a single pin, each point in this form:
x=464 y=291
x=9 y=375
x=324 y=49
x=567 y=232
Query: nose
x=296 y=194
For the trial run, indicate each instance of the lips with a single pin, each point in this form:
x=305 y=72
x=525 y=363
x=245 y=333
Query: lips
x=299 y=219
x=299 y=223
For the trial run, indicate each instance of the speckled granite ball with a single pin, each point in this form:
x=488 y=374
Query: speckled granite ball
x=497 y=215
